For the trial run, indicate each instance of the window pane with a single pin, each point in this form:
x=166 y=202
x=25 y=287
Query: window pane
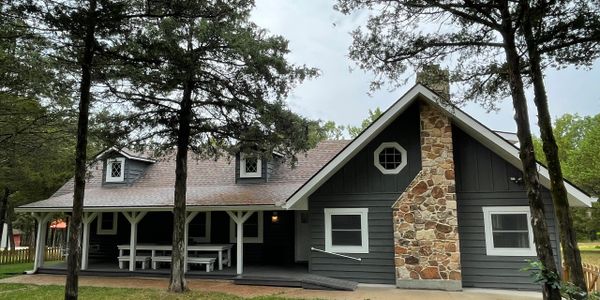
x=345 y=222
x=509 y=222
x=197 y=227
x=107 y=221
x=511 y=239
x=251 y=165
x=346 y=238
x=115 y=170
x=390 y=158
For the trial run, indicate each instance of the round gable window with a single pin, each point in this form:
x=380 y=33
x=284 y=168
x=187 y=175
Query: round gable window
x=390 y=158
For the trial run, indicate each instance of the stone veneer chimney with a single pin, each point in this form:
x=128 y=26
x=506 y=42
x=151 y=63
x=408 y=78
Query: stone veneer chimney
x=426 y=243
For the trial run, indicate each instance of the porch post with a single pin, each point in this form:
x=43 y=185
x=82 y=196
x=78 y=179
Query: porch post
x=40 y=243
x=134 y=218
x=190 y=216
x=87 y=219
x=239 y=218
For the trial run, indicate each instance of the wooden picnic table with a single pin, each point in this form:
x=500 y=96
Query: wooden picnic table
x=219 y=248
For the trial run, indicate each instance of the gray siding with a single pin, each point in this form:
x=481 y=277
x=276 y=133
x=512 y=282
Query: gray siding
x=133 y=170
x=482 y=179
x=360 y=184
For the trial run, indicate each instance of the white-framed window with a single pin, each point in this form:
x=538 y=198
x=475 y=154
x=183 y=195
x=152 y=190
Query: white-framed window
x=347 y=230
x=107 y=223
x=115 y=169
x=508 y=231
x=253 y=229
x=389 y=158
x=250 y=166
x=199 y=228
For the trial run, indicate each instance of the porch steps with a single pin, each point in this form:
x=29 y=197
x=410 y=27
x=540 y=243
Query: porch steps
x=306 y=281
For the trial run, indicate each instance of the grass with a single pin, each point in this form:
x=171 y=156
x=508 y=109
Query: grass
x=26 y=291
x=18 y=269
x=590 y=253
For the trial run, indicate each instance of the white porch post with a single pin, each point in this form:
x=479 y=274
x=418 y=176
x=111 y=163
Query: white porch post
x=190 y=216
x=239 y=218
x=134 y=218
x=40 y=240
x=87 y=219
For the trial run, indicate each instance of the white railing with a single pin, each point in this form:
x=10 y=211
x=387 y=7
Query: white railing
x=336 y=254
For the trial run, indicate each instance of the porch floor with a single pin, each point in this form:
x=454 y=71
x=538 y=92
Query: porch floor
x=283 y=276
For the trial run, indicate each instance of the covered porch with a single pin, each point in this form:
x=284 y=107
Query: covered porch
x=140 y=241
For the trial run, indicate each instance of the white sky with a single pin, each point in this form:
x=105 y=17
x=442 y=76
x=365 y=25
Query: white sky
x=341 y=95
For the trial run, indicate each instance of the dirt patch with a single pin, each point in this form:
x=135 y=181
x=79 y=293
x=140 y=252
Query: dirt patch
x=225 y=286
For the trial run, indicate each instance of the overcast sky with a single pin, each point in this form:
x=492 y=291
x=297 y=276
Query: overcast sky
x=341 y=95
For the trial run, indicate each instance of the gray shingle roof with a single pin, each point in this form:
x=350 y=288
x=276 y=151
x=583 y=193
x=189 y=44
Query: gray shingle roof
x=210 y=183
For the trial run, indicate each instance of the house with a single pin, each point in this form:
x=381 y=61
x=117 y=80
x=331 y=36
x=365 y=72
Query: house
x=426 y=197
x=5 y=238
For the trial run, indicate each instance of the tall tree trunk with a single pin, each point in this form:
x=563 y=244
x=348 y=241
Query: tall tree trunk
x=568 y=238
x=527 y=155
x=3 y=209
x=74 y=258
x=11 y=236
x=177 y=282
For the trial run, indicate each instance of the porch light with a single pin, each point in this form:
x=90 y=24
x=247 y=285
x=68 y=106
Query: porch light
x=274 y=218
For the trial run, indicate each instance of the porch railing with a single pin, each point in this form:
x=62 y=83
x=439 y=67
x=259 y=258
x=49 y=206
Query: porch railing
x=26 y=255
x=590 y=273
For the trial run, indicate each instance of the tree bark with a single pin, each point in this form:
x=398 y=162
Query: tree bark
x=11 y=236
x=527 y=155
x=568 y=238
x=3 y=209
x=74 y=257
x=177 y=282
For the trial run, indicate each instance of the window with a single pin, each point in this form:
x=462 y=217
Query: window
x=347 y=230
x=390 y=158
x=253 y=229
x=199 y=228
x=115 y=169
x=250 y=167
x=508 y=231
x=107 y=223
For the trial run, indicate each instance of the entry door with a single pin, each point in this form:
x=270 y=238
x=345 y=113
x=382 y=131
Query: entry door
x=302 y=236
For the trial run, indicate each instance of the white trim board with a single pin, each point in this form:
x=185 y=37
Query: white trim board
x=478 y=131
x=491 y=250
x=127 y=155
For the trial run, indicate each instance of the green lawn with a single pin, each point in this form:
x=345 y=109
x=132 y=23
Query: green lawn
x=18 y=269
x=25 y=291
x=590 y=253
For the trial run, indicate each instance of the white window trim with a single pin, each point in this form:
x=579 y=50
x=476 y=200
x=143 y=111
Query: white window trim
x=109 y=163
x=489 y=238
x=103 y=231
x=364 y=226
x=383 y=170
x=248 y=240
x=244 y=174
x=206 y=237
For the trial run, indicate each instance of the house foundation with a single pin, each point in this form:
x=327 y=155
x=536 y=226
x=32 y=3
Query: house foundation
x=427 y=254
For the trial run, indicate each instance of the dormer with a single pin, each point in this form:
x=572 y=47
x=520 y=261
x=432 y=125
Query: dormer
x=121 y=167
x=251 y=168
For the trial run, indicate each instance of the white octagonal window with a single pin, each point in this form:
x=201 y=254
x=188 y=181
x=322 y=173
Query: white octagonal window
x=390 y=158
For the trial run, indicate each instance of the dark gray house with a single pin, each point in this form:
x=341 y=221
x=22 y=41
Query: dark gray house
x=426 y=197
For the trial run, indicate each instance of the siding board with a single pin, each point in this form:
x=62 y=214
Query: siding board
x=360 y=184
x=483 y=180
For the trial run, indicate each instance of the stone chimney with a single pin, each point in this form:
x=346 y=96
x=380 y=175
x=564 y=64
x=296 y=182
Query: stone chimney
x=435 y=78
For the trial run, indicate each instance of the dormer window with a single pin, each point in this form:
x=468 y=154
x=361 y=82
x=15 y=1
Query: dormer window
x=115 y=169
x=250 y=167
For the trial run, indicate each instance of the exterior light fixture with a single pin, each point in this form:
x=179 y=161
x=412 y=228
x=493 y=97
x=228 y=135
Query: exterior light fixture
x=274 y=218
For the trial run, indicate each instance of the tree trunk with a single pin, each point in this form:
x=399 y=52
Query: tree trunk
x=527 y=155
x=74 y=257
x=177 y=282
x=3 y=209
x=11 y=236
x=568 y=238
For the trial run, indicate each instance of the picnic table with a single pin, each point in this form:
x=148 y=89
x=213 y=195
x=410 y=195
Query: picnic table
x=223 y=251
